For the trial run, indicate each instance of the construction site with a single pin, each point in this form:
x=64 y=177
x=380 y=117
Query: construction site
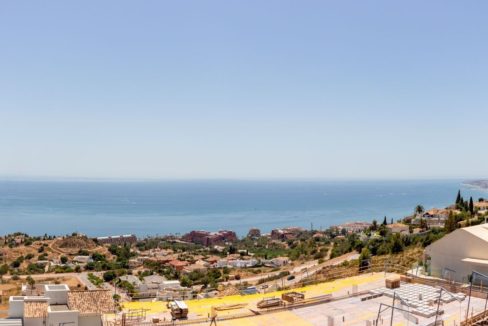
x=375 y=296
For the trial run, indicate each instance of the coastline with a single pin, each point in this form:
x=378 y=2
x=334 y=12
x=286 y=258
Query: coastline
x=156 y=208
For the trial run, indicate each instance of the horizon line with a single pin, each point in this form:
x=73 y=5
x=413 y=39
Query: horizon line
x=231 y=179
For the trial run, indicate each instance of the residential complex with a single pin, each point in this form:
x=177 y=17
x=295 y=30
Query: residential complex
x=58 y=305
x=118 y=239
x=206 y=238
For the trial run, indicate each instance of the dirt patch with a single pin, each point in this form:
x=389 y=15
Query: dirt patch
x=72 y=245
x=8 y=287
x=11 y=254
x=3 y=310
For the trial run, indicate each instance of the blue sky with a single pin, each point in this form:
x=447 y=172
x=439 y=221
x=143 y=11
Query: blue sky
x=244 y=89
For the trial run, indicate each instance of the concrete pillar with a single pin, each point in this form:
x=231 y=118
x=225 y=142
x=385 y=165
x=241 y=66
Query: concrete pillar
x=354 y=289
x=330 y=320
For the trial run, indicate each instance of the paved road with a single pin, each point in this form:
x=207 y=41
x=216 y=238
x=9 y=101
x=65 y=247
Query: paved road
x=300 y=272
x=307 y=272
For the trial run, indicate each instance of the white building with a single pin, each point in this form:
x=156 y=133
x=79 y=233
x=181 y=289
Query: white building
x=481 y=206
x=237 y=263
x=459 y=253
x=82 y=259
x=60 y=306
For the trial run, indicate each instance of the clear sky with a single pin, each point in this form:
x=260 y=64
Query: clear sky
x=244 y=89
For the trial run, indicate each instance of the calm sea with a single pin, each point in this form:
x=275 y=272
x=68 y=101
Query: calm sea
x=151 y=208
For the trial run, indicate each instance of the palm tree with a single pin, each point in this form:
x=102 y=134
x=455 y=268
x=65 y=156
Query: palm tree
x=419 y=209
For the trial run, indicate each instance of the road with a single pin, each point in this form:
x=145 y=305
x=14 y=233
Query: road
x=307 y=272
x=300 y=272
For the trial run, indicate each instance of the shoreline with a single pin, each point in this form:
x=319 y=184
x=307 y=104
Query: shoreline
x=151 y=210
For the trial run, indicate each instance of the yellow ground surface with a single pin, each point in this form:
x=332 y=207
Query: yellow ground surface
x=274 y=319
x=202 y=307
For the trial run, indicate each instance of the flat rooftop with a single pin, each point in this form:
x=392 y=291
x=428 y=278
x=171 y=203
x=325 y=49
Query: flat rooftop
x=57 y=287
x=59 y=307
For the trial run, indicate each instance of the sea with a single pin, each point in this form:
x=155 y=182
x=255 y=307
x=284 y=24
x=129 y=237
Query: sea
x=152 y=208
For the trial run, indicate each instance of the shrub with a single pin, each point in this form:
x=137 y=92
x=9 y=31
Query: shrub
x=109 y=276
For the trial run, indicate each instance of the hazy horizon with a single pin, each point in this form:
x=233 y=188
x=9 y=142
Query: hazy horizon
x=205 y=179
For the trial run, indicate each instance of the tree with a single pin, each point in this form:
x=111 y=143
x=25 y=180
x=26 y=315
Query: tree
x=98 y=257
x=185 y=281
x=397 y=244
x=109 y=276
x=64 y=259
x=3 y=269
x=459 y=199
x=419 y=209
x=451 y=223
x=423 y=224
x=364 y=259
x=374 y=225
x=30 y=281
x=384 y=221
x=471 y=205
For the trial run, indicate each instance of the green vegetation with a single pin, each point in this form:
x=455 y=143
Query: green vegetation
x=109 y=276
x=100 y=262
x=30 y=281
x=95 y=280
x=63 y=269
x=4 y=269
x=35 y=268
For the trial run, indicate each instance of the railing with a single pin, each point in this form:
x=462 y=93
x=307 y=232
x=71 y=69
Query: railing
x=478 y=291
x=475 y=319
x=286 y=306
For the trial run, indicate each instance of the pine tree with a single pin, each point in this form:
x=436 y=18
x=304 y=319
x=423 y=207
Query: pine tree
x=384 y=222
x=471 y=205
x=458 y=198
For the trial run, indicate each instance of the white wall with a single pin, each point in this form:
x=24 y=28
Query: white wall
x=16 y=307
x=57 y=294
x=34 y=321
x=90 y=320
x=56 y=318
x=449 y=252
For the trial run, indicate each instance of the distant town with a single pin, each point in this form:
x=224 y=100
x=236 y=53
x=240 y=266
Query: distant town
x=482 y=184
